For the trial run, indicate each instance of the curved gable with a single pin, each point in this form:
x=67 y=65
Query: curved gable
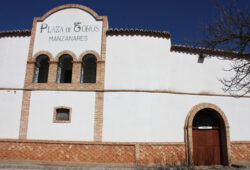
x=70 y=27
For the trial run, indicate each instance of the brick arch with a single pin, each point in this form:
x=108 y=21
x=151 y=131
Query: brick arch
x=66 y=52
x=42 y=53
x=225 y=136
x=84 y=8
x=198 y=107
x=98 y=57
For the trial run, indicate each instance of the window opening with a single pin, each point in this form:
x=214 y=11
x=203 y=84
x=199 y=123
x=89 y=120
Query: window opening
x=64 y=71
x=41 y=69
x=88 y=72
x=62 y=114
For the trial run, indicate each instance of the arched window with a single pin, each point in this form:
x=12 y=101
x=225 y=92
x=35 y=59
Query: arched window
x=88 y=72
x=64 y=71
x=41 y=69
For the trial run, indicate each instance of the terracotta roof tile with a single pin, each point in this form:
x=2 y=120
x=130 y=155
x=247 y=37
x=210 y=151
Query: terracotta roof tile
x=164 y=34
x=208 y=51
x=126 y=31
x=15 y=33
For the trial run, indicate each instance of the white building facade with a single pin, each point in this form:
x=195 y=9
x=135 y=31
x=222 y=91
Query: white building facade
x=72 y=89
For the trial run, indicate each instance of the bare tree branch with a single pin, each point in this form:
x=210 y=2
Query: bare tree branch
x=231 y=31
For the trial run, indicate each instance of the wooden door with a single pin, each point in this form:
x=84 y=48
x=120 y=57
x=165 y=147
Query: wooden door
x=206 y=146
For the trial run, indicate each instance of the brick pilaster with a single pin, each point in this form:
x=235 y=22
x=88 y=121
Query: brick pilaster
x=76 y=72
x=52 y=72
x=24 y=115
x=98 y=116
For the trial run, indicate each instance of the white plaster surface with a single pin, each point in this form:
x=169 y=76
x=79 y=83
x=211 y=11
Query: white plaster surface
x=11 y=103
x=42 y=105
x=13 y=58
x=137 y=62
x=67 y=18
x=146 y=63
x=160 y=117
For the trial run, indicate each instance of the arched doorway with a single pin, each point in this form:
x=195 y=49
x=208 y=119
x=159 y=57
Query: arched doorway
x=207 y=136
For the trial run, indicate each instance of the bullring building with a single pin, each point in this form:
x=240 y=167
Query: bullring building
x=74 y=90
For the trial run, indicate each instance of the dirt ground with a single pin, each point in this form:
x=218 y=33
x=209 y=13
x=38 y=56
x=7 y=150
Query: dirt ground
x=28 y=165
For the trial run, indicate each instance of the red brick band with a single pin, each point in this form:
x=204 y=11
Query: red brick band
x=105 y=152
x=91 y=152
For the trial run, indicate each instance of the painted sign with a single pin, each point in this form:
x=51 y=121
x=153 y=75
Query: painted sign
x=77 y=27
x=70 y=29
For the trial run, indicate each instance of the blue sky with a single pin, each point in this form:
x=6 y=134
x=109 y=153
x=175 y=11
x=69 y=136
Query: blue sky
x=182 y=18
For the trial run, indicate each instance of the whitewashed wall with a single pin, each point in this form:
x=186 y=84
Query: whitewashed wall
x=13 y=58
x=42 y=105
x=11 y=103
x=146 y=63
x=188 y=75
x=60 y=21
x=160 y=117
x=137 y=62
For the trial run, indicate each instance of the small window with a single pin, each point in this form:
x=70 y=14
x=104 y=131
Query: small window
x=88 y=72
x=201 y=58
x=62 y=114
x=64 y=71
x=41 y=69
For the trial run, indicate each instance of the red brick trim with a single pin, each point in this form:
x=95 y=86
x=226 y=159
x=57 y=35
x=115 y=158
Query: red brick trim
x=55 y=114
x=224 y=132
x=65 y=152
x=240 y=151
x=51 y=59
x=104 y=152
x=90 y=142
x=98 y=57
x=98 y=124
x=24 y=115
x=96 y=152
x=84 y=8
x=68 y=52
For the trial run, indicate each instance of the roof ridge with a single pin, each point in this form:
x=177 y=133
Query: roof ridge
x=136 y=31
x=14 y=33
x=208 y=51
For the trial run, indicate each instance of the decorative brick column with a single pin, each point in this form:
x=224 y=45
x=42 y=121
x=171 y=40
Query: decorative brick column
x=24 y=115
x=76 y=70
x=52 y=72
x=99 y=99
